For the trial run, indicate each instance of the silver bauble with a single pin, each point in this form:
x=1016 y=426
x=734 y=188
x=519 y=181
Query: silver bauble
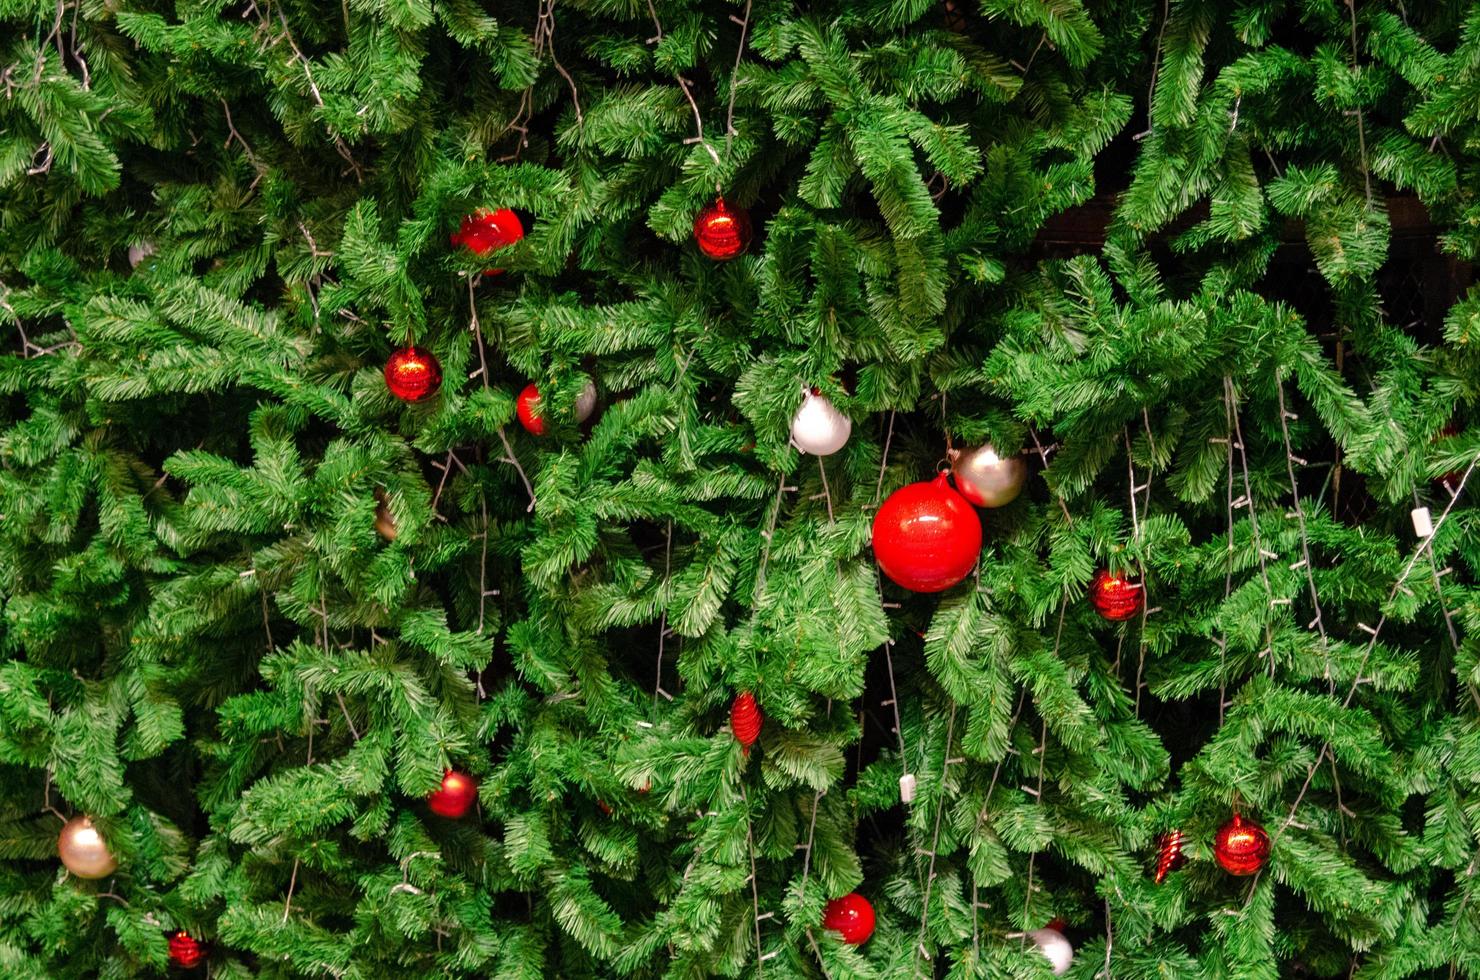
x=586 y=401
x=1055 y=946
x=986 y=479
x=817 y=427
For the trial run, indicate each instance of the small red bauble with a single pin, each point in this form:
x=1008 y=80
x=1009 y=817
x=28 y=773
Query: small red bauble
x=483 y=231
x=745 y=720
x=455 y=796
x=1241 y=846
x=926 y=536
x=527 y=405
x=413 y=374
x=1169 y=856
x=851 y=917
x=1116 y=597
x=186 y=951
x=722 y=231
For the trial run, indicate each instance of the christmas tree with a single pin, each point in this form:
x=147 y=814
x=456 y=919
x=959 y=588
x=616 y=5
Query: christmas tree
x=870 y=488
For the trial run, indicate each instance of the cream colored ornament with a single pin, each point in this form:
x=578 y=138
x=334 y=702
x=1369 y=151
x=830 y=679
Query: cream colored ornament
x=987 y=479
x=817 y=427
x=1055 y=946
x=138 y=253
x=83 y=850
x=586 y=401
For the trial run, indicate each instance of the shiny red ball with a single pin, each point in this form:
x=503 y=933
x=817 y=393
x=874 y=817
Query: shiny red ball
x=186 y=951
x=722 y=231
x=484 y=231
x=1241 y=846
x=851 y=916
x=413 y=374
x=1116 y=597
x=456 y=796
x=527 y=406
x=745 y=720
x=926 y=536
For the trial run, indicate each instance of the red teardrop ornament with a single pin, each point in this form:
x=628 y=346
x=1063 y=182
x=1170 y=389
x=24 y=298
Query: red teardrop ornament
x=413 y=374
x=455 y=796
x=1116 y=597
x=926 y=536
x=745 y=720
x=527 y=406
x=1241 y=846
x=484 y=231
x=851 y=916
x=186 y=951
x=1169 y=856
x=722 y=231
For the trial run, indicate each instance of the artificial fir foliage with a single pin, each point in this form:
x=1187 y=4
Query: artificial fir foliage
x=1205 y=263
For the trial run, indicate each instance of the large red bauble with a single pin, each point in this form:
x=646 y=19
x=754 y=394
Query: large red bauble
x=1116 y=597
x=926 y=536
x=722 y=231
x=413 y=374
x=186 y=951
x=456 y=795
x=851 y=916
x=1241 y=846
x=527 y=406
x=745 y=720
x=483 y=231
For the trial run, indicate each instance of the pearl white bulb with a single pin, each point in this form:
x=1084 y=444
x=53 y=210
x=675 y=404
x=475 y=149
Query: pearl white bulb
x=1055 y=946
x=586 y=401
x=819 y=428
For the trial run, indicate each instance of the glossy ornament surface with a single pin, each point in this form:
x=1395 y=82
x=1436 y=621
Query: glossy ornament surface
x=1241 y=846
x=586 y=401
x=722 y=231
x=1169 y=856
x=455 y=796
x=851 y=917
x=413 y=374
x=83 y=850
x=1116 y=597
x=745 y=720
x=987 y=479
x=1054 y=945
x=385 y=524
x=186 y=951
x=485 y=231
x=527 y=407
x=926 y=536
x=818 y=427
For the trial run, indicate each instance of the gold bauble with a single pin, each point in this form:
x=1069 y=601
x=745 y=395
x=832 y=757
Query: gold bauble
x=385 y=524
x=83 y=850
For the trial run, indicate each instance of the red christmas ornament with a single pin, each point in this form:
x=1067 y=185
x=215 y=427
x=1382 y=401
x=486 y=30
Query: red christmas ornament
x=527 y=405
x=1169 y=856
x=721 y=231
x=1116 y=597
x=745 y=720
x=1241 y=846
x=484 y=231
x=186 y=951
x=456 y=795
x=926 y=536
x=851 y=916
x=413 y=374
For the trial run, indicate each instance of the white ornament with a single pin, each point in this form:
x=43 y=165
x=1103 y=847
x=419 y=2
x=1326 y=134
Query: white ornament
x=586 y=401
x=1423 y=524
x=138 y=253
x=987 y=479
x=1051 y=943
x=817 y=427
x=907 y=788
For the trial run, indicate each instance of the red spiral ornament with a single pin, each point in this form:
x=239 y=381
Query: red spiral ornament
x=745 y=720
x=186 y=951
x=1169 y=856
x=722 y=231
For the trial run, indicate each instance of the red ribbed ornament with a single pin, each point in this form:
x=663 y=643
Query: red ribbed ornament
x=851 y=917
x=1241 y=846
x=745 y=720
x=455 y=796
x=186 y=951
x=527 y=405
x=926 y=536
x=484 y=231
x=413 y=374
x=1169 y=856
x=722 y=231
x=1116 y=597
